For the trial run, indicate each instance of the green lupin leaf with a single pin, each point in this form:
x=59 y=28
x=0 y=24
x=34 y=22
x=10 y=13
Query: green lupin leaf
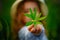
x=29 y=23
x=31 y=13
x=42 y=18
x=38 y=16
x=38 y=23
x=34 y=16
x=28 y=15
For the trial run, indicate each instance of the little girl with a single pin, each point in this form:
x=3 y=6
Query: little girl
x=19 y=29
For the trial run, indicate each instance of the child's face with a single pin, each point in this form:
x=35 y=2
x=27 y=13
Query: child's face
x=26 y=7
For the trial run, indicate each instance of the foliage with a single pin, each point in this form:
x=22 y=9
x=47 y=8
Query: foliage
x=35 y=19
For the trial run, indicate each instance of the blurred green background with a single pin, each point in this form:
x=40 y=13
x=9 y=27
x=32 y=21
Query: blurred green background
x=53 y=19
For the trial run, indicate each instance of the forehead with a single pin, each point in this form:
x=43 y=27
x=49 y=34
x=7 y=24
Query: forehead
x=28 y=5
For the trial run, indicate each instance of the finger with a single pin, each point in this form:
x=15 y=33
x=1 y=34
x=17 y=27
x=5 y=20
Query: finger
x=38 y=28
x=32 y=30
x=30 y=27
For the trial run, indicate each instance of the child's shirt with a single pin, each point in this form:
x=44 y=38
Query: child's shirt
x=24 y=34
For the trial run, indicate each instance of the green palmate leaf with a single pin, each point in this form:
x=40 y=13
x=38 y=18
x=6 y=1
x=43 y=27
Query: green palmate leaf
x=34 y=16
x=31 y=13
x=29 y=23
x=38 y=23
x=38 y=16
x=28 y=15
x=42 y=18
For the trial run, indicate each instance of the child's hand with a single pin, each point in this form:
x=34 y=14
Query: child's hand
x=34 y=30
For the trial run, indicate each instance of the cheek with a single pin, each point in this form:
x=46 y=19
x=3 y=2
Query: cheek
x=26 y=19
